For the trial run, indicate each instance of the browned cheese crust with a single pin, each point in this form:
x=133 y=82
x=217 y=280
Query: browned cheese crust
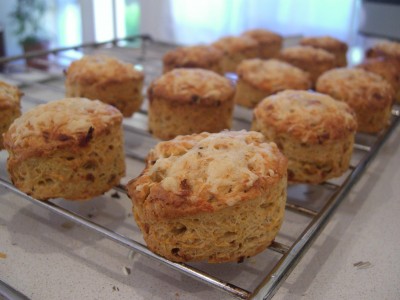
x=261 y=78
x=10 y=107
x=314 y=131
x=100 y=77
x=312 y=60
x=269 y=43
x=70 y=148
x=211 y=197
x=199 y=56
x=368 y=94
x=387 y=69
x=235 y=49
x=330 y=44
x=186 y=101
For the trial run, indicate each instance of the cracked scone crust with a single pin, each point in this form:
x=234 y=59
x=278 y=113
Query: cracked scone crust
x=10 y=107
x=369 y=95
x=313 y=130
x=186 y=101
x=261 y=78
x=104 y=78
x=198 y=56
x=70 y=148
x=211 y=197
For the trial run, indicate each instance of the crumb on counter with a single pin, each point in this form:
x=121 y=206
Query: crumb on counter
x=126 y=270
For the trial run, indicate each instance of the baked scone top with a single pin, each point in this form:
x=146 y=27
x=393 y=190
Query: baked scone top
x=386 y=68
x=206 y=172
x=9 y=95
x=192 y=86
x=361 y=88
x=60 y=124
x=307 y=53
x=264 y=36
x=386 y=48
x=233 y=44
x=309 y=117
x=265 y=74
x=324 y=42
x=101 y=68
x=192 y=56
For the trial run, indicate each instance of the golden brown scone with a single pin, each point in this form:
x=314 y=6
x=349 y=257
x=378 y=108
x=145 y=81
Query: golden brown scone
x=269 y=43
x=104 y=78
x=261 y=78
x=389 y=49
x=10 y=107
x=312 y=60
x=387 y=69
x=70 y=148
x=235 y=49
x=368 y=94
x=314 y=131
x=211 y=197
x=199 y=56
x=186 y=101
x=330 y=44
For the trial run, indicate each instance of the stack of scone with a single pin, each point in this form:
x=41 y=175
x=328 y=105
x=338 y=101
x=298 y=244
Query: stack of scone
x=104 y=78
x=211 y=197
x=70 y=148
x=10 y=107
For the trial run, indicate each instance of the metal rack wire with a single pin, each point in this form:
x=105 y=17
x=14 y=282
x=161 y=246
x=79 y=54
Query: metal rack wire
x=317 y=203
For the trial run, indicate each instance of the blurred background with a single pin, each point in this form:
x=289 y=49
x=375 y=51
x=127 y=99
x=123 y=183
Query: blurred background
x=58 y=23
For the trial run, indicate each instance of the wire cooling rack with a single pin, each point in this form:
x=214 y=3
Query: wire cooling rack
x=308 y=209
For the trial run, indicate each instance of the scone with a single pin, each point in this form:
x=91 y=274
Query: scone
x=314 y=131
x=312 y=60
x=70 y=148
x=235 y=49
x=186 y=101
x=100 y=77
x=330 y=44
x=269 y=43
x=211 y=197
x=387 y=69
x=199 y=56
x=261 y=78
x=368 y=94
x=10 y=107
x=389 y=49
